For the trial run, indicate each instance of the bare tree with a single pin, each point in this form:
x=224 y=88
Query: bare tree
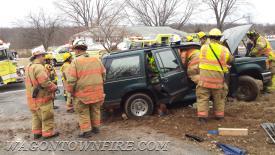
x=44 y=27
x=88 y=13
x=161 y=12
x=223 y=9
x=101 y=17
x=109 y=31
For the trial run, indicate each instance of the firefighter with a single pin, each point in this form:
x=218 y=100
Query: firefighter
x=39 y=89
x=51 y=73
x=202 y=37
x=67 y=57
x=85 y=80
x=154 y=76
x=189 y=39
x=214 y=60
x=261 y=47
x=190 y=58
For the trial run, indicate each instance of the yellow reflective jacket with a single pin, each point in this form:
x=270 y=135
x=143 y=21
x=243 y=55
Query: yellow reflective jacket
x=262 y=48
x=51 y=73
x=64 y=69
x=208 y=61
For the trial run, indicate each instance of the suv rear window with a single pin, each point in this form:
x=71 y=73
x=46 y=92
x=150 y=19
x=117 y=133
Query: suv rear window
x=123 y=67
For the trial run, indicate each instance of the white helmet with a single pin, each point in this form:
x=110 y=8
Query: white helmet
x=80 y=44
x=38 y=51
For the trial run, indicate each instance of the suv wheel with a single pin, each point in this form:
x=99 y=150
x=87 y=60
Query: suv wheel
x=248 y=89
x=138 y=105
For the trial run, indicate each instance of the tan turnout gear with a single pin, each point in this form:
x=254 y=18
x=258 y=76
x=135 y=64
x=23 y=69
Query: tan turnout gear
x=40 y=106
x=191 y=59
x=212 y=80
x=85 y=82
x=64 y=69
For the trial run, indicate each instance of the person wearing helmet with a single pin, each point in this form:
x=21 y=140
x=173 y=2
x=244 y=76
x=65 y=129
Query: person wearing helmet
x=189 y=39
x=51 y=72
x=202 y=37
x=190 y=58
x=85 y=79
x=39 y=90
x=214 y=60
x=261 y=47
x=67 y=57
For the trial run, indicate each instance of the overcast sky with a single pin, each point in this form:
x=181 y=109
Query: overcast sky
x=14 y=10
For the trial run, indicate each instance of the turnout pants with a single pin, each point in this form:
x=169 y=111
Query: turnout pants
x=69 y=101
x=43 y=120
x=88 y=114
x=203 y=98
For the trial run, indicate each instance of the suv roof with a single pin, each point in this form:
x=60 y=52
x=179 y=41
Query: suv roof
x=137 y=50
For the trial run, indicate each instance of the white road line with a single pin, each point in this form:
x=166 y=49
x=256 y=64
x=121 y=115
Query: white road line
x=15 y=91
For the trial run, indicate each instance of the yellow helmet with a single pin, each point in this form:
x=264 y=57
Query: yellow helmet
x=48 y=56
x=189 y=38
x=215 y=33
x=66 y=56
x=201 y=35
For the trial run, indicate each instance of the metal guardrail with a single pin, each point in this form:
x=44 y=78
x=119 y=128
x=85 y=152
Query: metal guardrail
x=270 y=130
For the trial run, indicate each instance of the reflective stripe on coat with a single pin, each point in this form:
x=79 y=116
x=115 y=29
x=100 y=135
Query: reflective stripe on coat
x=85 y=79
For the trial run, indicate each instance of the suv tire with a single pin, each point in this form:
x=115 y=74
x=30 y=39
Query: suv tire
x=138 y=105
x=248 y=89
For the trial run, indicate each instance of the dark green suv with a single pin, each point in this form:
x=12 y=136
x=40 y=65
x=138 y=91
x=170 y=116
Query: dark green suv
x=129 y=87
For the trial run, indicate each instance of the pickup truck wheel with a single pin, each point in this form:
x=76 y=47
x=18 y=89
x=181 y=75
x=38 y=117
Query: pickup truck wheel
x=248 y=89
x=138 y=105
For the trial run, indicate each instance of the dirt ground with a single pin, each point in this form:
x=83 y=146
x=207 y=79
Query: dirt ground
x=182 y=120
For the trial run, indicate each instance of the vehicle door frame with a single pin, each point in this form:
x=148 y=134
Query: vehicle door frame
x=164 y=76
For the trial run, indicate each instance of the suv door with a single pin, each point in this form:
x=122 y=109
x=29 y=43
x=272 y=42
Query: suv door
x=173 y=76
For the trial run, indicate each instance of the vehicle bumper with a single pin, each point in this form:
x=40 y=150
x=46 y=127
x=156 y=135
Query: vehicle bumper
x=267 y=77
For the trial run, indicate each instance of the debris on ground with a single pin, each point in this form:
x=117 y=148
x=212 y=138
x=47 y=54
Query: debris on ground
x=231 y=150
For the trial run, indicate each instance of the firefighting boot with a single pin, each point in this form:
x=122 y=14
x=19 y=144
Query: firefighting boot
x=87 y=134
x=95 y=130
x=56 y=134
x=37 y=136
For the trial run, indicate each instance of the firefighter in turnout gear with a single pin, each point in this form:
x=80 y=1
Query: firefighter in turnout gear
x=190 y=58
x=51 y=73
x=67 y=57
x=154 y=76
x=214 y=60
x=39 y=90
x=261 y=47
x=85 y=80
x=202 y=37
